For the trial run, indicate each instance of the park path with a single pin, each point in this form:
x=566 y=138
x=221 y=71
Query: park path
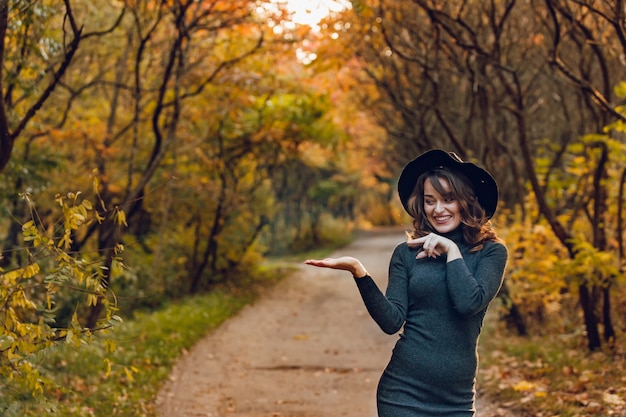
x=306 y=348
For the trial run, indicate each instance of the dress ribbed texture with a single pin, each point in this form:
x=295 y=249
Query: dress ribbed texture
x=441 y=306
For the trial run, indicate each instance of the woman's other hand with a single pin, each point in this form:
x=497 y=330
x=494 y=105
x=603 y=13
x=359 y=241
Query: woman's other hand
x=345 y=263
x=434 y=245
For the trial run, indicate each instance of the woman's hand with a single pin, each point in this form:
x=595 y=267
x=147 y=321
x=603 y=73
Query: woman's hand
x=346 y=263
x=434 y=245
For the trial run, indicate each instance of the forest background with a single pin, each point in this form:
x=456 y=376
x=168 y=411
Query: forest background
x=153 y=151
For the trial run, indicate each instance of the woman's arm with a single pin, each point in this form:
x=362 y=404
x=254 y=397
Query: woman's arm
x=388 y=310
x=472 y=293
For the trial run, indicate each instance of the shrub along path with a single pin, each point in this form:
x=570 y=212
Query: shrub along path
x=307 y=348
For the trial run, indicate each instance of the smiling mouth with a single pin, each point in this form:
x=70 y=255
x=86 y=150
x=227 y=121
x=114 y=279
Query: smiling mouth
x=442 y=219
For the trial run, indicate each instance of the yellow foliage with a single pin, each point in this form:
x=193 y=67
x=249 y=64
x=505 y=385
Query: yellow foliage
x=11 y=278
x=28 y=293
x=107 y=371
x=120 y=217
x=129 y=374
x=524 y=386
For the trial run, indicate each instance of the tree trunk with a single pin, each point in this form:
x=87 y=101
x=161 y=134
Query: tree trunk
x=514 y=316
x=609 y=330
x=600 y=208
x=591 y=321
x=209 y=255
x=106 y=246
x=6 y=139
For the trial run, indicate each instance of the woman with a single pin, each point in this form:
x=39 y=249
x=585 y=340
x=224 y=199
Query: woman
x=440 y=284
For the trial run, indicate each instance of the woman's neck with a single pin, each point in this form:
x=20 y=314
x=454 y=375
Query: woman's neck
x=455 y=235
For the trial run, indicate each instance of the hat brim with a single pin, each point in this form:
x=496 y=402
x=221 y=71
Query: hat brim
x=484 y=185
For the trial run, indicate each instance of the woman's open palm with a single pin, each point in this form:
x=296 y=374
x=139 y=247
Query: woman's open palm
x=345 y=263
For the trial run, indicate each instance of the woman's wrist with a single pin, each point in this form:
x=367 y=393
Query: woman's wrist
x=359 y=272
x=453 y=253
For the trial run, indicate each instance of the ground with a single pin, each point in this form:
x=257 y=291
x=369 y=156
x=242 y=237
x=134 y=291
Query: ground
x=306 y=348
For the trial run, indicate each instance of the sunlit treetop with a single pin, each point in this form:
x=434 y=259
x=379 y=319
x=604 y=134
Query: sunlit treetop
x=286 y=17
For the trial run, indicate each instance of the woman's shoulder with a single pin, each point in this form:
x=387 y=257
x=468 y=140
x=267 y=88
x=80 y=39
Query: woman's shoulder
x=495 y=241
x=496 y=246
x=402 y=249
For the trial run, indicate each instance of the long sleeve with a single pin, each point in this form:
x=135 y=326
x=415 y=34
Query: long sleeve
x=472 y=293
x=388 y=310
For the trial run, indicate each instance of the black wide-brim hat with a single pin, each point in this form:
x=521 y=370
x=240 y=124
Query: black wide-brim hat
x=484 y=185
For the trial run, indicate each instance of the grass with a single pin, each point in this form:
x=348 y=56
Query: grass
x=549 y=376
x=120 y=373
x=545 y=376
x=146 y=348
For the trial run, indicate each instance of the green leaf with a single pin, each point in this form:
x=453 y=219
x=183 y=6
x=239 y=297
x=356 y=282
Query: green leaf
x=6 y=342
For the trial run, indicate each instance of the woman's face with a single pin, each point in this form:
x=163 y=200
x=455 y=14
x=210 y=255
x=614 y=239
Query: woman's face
x=442 y=211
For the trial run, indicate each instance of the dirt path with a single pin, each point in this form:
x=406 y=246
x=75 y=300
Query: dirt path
x=306 y=349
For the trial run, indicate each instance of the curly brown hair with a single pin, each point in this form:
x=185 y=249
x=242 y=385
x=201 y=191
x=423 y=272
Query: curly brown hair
x=477 y=227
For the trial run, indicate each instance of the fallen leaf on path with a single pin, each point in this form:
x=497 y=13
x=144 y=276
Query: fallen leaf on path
x=612 y=399
x=524 y=386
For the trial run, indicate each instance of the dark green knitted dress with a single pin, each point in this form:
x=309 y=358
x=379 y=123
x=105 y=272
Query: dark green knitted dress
x=441 y=305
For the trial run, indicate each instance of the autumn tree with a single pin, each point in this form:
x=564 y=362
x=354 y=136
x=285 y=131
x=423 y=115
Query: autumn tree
x=34 y=61
x=31 y=295
x=488 y=80
x=260 y=157
x=134 y=103
x=585 y=37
